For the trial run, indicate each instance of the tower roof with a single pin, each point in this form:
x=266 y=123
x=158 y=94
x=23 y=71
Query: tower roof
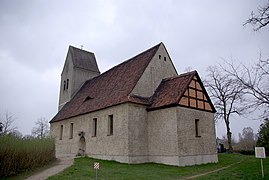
x=83 y=59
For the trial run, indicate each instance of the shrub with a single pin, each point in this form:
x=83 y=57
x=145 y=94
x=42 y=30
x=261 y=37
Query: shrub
x=246 y=152
x=17 y=154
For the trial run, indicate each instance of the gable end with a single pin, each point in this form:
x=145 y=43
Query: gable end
x=195 y=96
x=185 y=90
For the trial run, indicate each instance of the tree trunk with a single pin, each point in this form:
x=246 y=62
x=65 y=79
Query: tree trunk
x=229 y=138
x=227 y=122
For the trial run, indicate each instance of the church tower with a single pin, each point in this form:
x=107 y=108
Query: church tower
x=80 y=66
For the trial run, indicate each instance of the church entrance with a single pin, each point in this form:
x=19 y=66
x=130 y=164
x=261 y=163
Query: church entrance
x=82 y=146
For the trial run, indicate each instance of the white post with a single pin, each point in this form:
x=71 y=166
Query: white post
x=96 y=167
x=262 y=168
x=260 y=153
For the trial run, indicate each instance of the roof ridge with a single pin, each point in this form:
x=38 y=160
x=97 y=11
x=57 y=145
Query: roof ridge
x=126 y=61
x=144 y=52
x=156 y=47
x=78 y=49
x=180 y=75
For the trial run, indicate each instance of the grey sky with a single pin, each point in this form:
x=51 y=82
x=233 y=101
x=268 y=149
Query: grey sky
x=35 y=36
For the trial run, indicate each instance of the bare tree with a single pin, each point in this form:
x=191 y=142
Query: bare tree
x=227 y=95
x=255 y=80
x=16 y=133
x=224 y=140
x=261 y=19
x=247 y=134
x=42 y=128
x=6 y=123
x=246 y=140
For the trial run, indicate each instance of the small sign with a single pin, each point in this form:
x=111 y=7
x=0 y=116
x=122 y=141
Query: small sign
x=260 y=152
x=96 y=165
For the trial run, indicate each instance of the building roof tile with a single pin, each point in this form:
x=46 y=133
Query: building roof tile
x=171 y=90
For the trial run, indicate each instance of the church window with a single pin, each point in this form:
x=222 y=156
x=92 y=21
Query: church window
x=67 y=83
x=71 y=130
x=94 y=127
x=197 y=128
x=160 y=56
x=110 y=125
x=61 y=132
x=64 y=85
x=164 y=58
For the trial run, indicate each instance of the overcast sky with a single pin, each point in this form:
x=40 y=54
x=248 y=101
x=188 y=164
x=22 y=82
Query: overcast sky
x=35 y=35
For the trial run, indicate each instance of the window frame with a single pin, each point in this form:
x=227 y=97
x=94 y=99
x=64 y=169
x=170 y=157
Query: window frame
x=64 y=85
x=71 y=131
x=61 y=132
x=110 y=125
x=67 y=83
x=197 y=128
x=94 y=127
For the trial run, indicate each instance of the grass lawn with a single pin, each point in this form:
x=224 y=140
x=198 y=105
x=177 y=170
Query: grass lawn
x=245 y=167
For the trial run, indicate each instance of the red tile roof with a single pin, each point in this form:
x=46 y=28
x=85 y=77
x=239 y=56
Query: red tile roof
x=171 y=90
x=110 y=88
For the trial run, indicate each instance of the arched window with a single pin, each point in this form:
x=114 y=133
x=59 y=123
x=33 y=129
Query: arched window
x=64 y=85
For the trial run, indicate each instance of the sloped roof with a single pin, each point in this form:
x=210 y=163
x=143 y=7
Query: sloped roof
x=110 y=88
x=83 y=59
x=171 y=90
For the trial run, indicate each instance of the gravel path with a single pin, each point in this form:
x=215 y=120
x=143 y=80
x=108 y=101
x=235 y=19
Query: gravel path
x=60 y=166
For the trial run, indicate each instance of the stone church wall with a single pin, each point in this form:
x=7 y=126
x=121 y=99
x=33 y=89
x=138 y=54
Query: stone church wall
x=102 y=146
x=196 y=149
x=162 y=134
x=66 y=74
x=172 y=136
x=137 y=134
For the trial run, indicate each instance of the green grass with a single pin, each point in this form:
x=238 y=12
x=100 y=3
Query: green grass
x=249 y=168
x=246 y=167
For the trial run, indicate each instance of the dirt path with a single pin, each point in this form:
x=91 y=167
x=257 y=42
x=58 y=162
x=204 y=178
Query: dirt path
x=209 y=172
x=60 y=166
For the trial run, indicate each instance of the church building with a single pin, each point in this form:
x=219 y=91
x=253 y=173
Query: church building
x=138 y=111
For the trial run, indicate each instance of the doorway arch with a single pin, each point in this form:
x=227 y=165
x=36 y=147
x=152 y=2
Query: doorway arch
x=82 y=146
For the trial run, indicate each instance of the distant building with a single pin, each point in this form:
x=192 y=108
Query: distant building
x=138 y=111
